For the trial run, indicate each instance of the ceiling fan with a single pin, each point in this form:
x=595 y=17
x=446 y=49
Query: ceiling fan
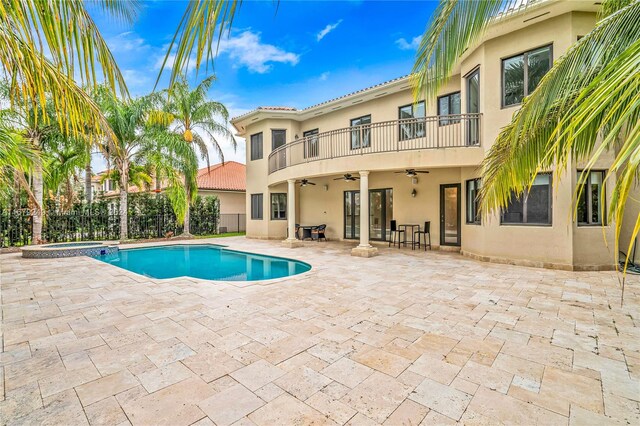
x=305 y=182
x=348 y=177
x=412 y=172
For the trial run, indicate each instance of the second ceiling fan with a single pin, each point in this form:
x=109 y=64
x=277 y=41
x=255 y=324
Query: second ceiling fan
x=412 y=172
x=348 y=177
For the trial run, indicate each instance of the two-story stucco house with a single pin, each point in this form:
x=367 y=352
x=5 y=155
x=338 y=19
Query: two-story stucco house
x=357 y=162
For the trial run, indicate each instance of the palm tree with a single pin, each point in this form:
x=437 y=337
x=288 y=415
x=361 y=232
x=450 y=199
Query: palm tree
x=127 y=120
x=16 y=160
x=46 y=45
x=142 y=138
x=195 y=117
x=591 y=94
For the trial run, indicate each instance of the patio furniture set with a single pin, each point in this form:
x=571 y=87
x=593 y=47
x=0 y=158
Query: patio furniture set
x=419 y=237
x=311 y=232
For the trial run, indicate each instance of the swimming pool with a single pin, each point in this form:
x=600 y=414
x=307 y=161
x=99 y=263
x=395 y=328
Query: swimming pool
x=204 y=261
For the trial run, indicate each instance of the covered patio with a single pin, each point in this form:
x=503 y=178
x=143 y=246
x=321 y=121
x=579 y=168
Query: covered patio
x=353 y=341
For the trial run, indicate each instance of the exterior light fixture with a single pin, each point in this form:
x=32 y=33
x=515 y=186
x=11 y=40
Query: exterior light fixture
x=414 y=180
x=414 y=193
x=326 y=187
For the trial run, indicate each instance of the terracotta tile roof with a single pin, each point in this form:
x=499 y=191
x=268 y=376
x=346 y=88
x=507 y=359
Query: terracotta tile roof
x=231 y=176
x=276 y=108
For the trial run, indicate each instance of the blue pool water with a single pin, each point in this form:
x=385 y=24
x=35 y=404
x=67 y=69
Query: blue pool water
x=204 y=261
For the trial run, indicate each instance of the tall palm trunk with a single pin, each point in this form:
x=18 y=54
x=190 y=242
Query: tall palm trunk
x=38 y=211
x=187 y=228
x=124 y=179
x=87 y=181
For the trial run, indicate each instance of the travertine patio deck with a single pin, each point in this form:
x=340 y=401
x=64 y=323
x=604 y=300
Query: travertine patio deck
x=403 y=338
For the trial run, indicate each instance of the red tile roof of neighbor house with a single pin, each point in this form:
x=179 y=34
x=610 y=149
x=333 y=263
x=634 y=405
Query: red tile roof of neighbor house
x=230 y=176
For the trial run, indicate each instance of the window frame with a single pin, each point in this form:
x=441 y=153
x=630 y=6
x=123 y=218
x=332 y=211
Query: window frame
x=283 y=210
x=273 y=132
x=361 y=131
x=448 y=121
x=525 y=196
x=259 y=205
x=308 y=143
x=525 y=82
x=602 y=199
x=415 y=127
x=253 y=156
x=476 y=220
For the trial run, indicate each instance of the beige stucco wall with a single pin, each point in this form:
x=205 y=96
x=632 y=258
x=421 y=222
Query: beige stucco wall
x=231 y=202
x=562 y=244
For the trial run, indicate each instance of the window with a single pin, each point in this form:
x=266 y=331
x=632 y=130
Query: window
x=278 y=138
x=590 y=202
x=413 y=126
x=473 y=107
x=522 y=73
x=311 y=148
x=473 y=202
x=256 y=206
x=256 y=146
x=361 y=137
x=278 y=206
x=448 y=105
x=532 y=207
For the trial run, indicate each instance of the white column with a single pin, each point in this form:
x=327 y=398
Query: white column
x=291 y=209
x=364 y=210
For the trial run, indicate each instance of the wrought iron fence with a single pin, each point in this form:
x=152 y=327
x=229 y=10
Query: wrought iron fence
x=16 y=226
x=231 y=222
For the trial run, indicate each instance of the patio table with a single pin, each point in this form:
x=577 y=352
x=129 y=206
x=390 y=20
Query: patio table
x=306 y=231
x=406 y=232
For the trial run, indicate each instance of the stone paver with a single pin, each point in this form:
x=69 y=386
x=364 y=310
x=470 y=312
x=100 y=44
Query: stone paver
x=440 y=340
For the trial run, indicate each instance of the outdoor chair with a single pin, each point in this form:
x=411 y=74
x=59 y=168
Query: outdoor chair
x=318 y=232
x=396 y=233
x=426 y=233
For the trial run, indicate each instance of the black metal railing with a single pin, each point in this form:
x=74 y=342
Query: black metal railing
x=445 y=131
x=16 y=226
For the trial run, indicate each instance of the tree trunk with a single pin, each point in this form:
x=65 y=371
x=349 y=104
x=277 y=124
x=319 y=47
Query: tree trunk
x=187 y=227
x=87 y=181
x=38 y=210
x=124 y=178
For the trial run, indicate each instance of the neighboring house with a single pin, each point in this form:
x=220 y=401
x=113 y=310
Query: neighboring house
x=379 y=136
x=227 y=182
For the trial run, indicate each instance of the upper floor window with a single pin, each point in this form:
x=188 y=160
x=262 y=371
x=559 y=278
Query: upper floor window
x=278 y=206
x=413 y=126
x=473 y=201
x=256 y=206
x=278 y=138
x=361 y=137
x=473 y=107
x=256 y=146
x=448 y=105
x=522 y=73
x=591 y=201
x=311 y=148
x=533 y=206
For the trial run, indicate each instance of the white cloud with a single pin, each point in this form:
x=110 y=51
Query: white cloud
x=127 y=42
x=326 y=30
x=247 y=50
x=324 y=76
x=409 y=45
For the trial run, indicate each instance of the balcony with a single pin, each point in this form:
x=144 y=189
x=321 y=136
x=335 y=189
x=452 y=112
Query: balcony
x=414 y=134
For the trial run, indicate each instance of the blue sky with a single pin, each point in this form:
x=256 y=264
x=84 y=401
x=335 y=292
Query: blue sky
x=304 y=53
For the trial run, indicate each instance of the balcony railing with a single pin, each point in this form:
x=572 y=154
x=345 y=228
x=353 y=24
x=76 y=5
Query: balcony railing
x=435 y=132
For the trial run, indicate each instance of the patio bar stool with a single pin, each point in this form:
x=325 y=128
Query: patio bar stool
x=396 y=234
x=426 y=233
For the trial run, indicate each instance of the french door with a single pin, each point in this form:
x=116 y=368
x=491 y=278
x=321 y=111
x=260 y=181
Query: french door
x=380 y=214
x=450 y=214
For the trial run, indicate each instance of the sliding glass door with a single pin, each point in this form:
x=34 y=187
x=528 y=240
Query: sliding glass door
x=380 y=214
